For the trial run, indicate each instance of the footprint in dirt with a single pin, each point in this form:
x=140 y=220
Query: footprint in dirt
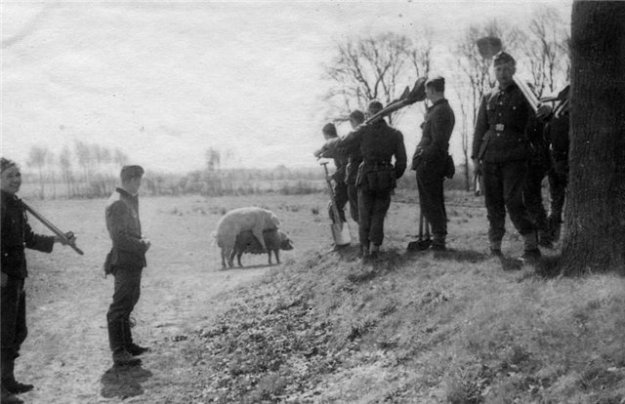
x=123 y=382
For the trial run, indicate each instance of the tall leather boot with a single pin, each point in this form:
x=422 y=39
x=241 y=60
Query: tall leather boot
x=131 y=347
x=8 y=378
x=9 y=398
x=121 y=357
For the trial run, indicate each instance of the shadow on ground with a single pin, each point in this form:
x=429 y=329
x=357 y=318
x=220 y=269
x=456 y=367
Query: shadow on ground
x=123 y=382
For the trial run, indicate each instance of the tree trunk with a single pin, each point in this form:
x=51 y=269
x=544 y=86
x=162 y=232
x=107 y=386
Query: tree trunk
x=595 y=211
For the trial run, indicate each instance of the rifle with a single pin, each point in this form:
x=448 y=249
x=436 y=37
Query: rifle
x=408 y=97
x=53 y=228
x=340 y=229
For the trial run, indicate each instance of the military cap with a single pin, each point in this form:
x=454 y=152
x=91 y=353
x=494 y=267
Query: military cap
x=329 y=129
x=437 y=82
x=357 y=115
x=5 y=164
x=130 y=172
x=503 y=57
x=374 y=107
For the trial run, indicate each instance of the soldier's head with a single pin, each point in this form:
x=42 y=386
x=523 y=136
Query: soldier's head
x=131 y=177
x=356 y=118
x=505 y=67
x=329 y=131
x=373 y=108
x=435 y=88
x=11 y=176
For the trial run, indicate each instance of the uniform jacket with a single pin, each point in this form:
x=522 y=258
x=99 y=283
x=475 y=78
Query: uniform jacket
x=437 y=127
x=17 y=235
x=500 y=130
x=378 y=143
x=557 y=136
x=330 y=150
x=124 y=227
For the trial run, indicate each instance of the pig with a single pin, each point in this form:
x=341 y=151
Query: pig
x=275 y=241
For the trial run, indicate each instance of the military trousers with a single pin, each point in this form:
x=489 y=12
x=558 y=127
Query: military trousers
x=352 y=196
x=557 y=189
x=126 y=294
x=430 y=179
x=372 y=208
x=340 y=198
x=533 y=197
x=14 y=330
x=503 y=190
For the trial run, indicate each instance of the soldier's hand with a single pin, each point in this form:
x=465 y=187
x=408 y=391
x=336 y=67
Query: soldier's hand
x=147 y=244
x=5 y=279
x=477 y=166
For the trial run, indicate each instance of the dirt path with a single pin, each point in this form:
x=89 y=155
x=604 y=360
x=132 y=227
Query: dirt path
x=66 y=354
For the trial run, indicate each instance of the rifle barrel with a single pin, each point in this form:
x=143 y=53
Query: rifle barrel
x=52 y=228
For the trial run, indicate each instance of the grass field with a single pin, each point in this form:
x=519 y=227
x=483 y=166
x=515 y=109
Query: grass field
x=457 y=326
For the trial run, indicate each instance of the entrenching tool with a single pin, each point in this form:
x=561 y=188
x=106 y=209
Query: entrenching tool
x=424 y=242
x=340 y=229
x=53 y=228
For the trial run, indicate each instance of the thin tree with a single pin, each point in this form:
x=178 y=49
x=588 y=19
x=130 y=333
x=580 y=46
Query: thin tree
x=595 y=212
x=37 y=157
x=65 y=164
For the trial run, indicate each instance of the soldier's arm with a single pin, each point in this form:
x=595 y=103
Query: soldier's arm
x=330 y=149
x=37 y=241
x=352 y=140
x=442 y=126
x=481 y=126
x=116 y=218
x=400 y=156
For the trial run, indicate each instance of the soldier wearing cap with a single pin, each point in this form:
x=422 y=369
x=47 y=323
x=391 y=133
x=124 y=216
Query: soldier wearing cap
x=125 y=261
x=501 y=151
x=430 y=160
x=16 y=236
x=378 y=144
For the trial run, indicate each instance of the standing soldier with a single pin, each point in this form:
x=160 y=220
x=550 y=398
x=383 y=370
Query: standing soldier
x=430 y=159
x=16 y=236
x=340 y=161
x=378 y=144
x=354 y=158
x=125 y=261
x=500 y=150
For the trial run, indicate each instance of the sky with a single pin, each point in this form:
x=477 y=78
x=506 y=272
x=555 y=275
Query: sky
x=165 y=81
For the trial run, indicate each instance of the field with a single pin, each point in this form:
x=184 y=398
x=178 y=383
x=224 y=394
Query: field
x=455 y=327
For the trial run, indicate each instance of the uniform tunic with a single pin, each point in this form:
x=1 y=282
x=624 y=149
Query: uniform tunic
x=378 y=143
x=430 y=163
x=500 y=141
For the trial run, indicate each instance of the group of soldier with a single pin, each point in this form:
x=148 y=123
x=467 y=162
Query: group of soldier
x=514 y=147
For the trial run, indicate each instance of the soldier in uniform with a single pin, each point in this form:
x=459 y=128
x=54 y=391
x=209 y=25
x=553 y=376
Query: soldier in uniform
x=376 y=178
x=557 y=136
x=354 y=159
x=16 y=235
x=125 y=261
x=500 y=151
x=430 y=159
x=340 y=161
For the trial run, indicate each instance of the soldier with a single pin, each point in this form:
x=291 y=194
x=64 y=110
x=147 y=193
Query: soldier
x=557 y=136
x=125 y=261
x=500 y=151
x=16 y=235
x=376 y=178
x=340 y=161
x=354 y=159
x=430 y=159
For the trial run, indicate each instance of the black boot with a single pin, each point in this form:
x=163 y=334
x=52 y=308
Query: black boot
x=8 y=379
x=121 y=357
x=131 y=347
x=8 y=397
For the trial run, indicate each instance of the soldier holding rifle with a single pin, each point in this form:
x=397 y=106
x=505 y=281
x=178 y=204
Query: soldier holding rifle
x=431 y=159
x=500 y=151
x=16 y=235
x=340 y=161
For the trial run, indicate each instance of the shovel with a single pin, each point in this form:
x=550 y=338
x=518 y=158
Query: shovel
x=424 y=242
x=340 y=229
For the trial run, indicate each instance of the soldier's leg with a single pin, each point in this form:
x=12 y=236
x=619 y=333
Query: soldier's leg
x=340 y=194
x=365 y=207
x=495 y=204
x=381 y=203
x=533 y=200
x=514 y=174
x=124 y=299
x=352 y=194
x=14 y=332
x=430 y=184
x=557 y=190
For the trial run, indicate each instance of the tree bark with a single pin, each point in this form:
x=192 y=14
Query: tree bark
x=595 y=210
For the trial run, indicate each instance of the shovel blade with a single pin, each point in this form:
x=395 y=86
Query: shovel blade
x=341 y=234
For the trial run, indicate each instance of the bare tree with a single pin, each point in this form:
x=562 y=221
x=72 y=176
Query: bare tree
x=120 y=158
x=213 y=159
x=83 y=154
x=37 y=157
x=375 y=68
x=65 y=164
x=595 y=212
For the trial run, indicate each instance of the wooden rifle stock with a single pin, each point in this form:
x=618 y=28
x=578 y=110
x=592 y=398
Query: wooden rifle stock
x=52 y=228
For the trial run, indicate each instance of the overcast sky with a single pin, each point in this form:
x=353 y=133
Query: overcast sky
x=166 y=81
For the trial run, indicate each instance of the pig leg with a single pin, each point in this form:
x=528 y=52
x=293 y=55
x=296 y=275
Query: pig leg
x=258 y=233
x=239 y=258
x=277 y=252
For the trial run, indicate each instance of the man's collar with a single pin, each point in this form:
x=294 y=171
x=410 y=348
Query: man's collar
x=125 y=193
x=439 y=101
x=512 y=85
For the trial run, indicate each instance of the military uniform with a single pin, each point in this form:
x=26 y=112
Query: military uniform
x=351 y=172
x=501 y=144
x=340 y=188
x=125 y=261
x=376 y=177
x=430 y=163
x=16 y=235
